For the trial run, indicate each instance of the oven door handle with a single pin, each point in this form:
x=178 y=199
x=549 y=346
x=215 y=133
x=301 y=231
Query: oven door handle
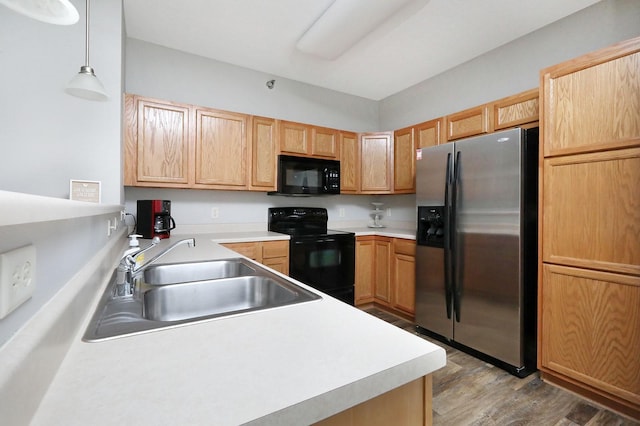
x=320 y=240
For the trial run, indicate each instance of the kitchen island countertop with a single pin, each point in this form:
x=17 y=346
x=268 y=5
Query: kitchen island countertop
x=295 y=364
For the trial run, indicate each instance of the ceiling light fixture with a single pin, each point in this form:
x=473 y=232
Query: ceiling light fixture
x=344 y=23
x=58 y=12
x=85 y=84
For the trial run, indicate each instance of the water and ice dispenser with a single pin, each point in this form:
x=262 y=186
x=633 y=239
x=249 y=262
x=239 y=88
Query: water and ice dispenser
x=431 y=226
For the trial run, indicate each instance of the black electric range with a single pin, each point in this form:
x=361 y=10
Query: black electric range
x=319 y=257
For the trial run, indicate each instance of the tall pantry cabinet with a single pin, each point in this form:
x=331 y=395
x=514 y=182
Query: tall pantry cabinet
x=589 y=289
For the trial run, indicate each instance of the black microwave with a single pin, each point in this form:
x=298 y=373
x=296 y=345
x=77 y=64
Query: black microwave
x=307 y=176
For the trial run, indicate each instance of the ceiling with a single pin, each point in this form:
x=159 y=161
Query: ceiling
x=419 y=41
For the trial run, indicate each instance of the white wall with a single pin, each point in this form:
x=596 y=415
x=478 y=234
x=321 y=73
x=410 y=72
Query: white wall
x=157 y=71
x=193 y=207
x=48 y=137
x=514 y=67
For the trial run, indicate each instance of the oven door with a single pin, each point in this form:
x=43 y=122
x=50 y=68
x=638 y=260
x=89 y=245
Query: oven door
x=326 y=263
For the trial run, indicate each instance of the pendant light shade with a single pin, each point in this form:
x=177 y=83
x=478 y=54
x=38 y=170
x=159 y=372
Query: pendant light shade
x=58 y=12
x=85 y=84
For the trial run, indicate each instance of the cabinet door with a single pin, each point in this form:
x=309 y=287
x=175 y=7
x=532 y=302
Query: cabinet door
x=349 y=163
x=403 y=281
x=516 y=110
x=591 y=215
x=592 y=103
x=163 y=139
x=264 y=153
x=382 y=290
x=591 y=328
x=365 y=263
x=375 y=163
x=404 y=162
x=221 y=148
x=429 y=133
x=324 y=142
x=470 y=122
x=294 y=138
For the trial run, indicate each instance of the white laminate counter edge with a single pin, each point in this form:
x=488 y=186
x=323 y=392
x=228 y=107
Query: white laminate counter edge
x=18 y=208
x=31 y=358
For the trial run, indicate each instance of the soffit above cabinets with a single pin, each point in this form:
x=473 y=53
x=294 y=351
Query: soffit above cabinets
x=417 y=40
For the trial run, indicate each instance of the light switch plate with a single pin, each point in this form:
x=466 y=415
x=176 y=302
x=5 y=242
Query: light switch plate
x=17 y=278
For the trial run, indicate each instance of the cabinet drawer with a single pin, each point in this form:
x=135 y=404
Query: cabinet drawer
x=406 y=247
x=250 y=250
x=272 y=249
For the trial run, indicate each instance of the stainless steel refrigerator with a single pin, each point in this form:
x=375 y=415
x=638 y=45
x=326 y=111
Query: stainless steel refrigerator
x=476 y=257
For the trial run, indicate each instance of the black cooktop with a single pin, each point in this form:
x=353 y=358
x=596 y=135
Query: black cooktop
x=302 y=221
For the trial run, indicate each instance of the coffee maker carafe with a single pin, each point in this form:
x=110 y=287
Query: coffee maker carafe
x=154 y=218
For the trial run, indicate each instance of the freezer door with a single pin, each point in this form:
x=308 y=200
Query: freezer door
x=432 y=302
x=488 y=245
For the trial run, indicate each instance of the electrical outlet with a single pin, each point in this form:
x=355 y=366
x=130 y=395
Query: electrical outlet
x=17 y=278
x=341 y=212
x=389 y=211
x=112 y=227
x=215 y=213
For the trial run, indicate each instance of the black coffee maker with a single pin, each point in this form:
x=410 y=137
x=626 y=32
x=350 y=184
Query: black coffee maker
x=154 y=218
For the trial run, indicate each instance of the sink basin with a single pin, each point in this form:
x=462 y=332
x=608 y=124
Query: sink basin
x=214 y=297
x=172 y=295
x=196 y=271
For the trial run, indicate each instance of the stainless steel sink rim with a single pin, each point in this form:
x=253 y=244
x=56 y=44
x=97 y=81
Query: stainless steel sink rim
x=117 y=317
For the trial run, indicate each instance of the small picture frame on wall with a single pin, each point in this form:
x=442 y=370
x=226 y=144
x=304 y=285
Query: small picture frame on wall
x=84 y=190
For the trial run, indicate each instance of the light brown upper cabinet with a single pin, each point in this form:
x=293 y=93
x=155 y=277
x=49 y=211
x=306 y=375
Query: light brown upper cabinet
x=221 y=149
x=516 y=110
x=305 y=140
x=430 y=133
x=264 y=151
x=470 y=122
x=376 y=162
x=349 y=163
x=324 y=142
x=589 y=288
x=404 y=161
x=295 y=138
x=158 y=143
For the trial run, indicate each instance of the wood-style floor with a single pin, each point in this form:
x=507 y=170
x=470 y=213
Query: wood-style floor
x=469 y=391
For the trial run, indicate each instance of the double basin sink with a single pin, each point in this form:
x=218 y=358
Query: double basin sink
x=171 y=295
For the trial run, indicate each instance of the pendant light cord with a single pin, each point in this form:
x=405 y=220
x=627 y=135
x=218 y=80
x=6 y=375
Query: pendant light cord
x=86 y=45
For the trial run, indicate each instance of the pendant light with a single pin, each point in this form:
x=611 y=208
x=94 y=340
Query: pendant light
x=85 y=84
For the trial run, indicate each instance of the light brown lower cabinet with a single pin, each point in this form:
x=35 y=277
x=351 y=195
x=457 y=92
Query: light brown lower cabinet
x=274 y=254
x=591 y=331
x=408 y=405
x=385 y=273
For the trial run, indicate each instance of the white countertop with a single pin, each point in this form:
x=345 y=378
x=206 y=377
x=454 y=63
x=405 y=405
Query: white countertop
x=383 y=232
x=291 y=365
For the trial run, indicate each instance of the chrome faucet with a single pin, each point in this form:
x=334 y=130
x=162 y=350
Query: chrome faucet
x=129 y=265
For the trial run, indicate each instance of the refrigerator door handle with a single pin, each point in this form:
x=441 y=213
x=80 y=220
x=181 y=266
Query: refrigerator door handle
x=448 y=290
x=455 y=282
